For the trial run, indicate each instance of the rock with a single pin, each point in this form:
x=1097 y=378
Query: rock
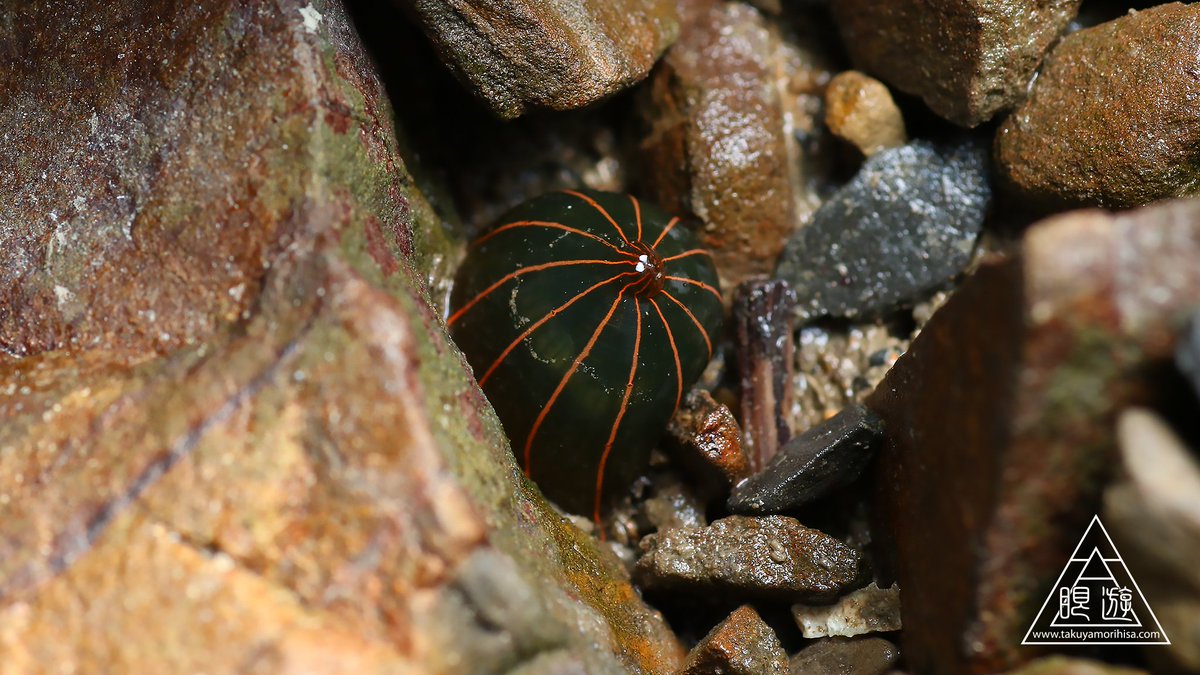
x=1153 y=514
x=742 y=644
x=1067 y=665
x=672 y=504
x=867 y=610
x=859 y=110
x=968 y=59
x=810 y=466
x=243 y=441
x=903 y=227
x=1111 y=120
x=1002 y=489
x=764 y=323
x=774 y=558
x=518 y=55
x=864 y=656
x=708 y=442
x=722 y=117
x=1187 y=355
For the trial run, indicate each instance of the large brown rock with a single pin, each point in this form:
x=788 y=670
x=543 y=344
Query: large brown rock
x=722 y=114
x=986 y=504
x=235 y=434
x=1112 y=119
x=968 y=59
x=517 y=55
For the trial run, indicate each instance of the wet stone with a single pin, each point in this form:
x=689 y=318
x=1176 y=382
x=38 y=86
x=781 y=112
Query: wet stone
x=707 y=442
x=905 y=226
x=742 y=644
x=863 y=656
x=517 y=55
x=859 y=110
x=1112 y=119
x=824 y=458
x=968 y=59
x=774 y=558
x=722 y=115
x=867 y=610
x=764 y=323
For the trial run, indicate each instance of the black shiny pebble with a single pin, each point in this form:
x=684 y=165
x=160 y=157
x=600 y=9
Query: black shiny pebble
x=813 y=464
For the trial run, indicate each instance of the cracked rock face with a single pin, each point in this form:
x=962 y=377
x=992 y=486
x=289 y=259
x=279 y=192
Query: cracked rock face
x=234 y=427
x=967 y=59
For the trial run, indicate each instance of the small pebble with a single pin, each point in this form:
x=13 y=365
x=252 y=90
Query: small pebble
x=859 y=109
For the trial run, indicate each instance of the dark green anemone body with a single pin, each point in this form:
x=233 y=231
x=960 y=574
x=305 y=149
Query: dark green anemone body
x=586 y=316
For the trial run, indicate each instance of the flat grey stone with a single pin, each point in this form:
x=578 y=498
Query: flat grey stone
x=902 y=228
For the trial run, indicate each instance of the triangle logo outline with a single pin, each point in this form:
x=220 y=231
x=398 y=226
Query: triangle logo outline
x=1123 y=607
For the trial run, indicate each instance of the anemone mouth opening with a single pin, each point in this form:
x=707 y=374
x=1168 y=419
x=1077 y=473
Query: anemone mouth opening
x=649 y=266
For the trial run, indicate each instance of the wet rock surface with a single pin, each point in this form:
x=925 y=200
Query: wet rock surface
x=867 y=610
x=773 y=558
x=967 y=59
x=742 y=644
x=243 y=439
x=828 y=456
x=1153 y=513
x=1089 y=298
x=1111 y=120
x=517 y=55
x=722 y=117
x=709 y=442
x=903 y=227
x=860 y=110
x=864 y=656
x=234 y=435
